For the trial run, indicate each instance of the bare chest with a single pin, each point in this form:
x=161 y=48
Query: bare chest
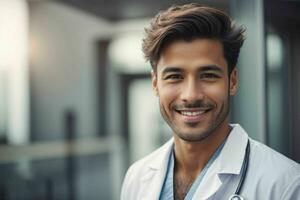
x=182 y=185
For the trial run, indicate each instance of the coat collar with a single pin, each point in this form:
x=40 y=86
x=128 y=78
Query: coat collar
x=154 y=176
x=161 y=156
x=232 y=156
x=228 y=162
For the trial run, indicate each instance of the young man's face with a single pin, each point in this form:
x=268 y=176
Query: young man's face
x=193 y=87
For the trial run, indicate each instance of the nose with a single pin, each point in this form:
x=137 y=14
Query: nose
x=192 y=91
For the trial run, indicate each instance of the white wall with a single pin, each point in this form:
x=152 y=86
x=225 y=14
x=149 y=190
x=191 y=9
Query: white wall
x=63 y=64
x=14 y=100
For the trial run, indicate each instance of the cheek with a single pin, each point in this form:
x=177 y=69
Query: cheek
x=167 y=94
x=217 y=93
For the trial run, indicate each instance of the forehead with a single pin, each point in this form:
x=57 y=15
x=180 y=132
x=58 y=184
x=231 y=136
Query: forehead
x=194 y=54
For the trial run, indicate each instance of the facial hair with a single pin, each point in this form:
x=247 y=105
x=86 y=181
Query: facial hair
x=215 y=123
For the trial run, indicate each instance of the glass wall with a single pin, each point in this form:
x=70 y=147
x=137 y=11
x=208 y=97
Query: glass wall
x=282 y=74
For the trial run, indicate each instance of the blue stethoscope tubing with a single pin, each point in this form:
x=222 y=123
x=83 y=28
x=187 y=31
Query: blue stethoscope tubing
x=236 y=195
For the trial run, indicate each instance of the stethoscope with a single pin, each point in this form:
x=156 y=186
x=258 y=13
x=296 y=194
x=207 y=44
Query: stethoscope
x=236 y=195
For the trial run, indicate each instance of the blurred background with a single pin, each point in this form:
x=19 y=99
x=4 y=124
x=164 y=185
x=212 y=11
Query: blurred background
x=76 y=104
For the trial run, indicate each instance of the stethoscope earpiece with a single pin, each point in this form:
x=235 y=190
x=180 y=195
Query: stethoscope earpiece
x=236 y=197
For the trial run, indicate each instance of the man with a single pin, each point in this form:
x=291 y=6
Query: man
x=193 y=51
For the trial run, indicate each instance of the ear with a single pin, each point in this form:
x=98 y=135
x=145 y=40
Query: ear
x=154 y=82
x=233 y=82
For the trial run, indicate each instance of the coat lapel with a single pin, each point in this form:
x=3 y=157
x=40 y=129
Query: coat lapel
x=229 y=162
x=153 y=179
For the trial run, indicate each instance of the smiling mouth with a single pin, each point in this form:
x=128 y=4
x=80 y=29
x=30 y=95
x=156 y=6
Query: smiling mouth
x=193 y=116
x=193 y=112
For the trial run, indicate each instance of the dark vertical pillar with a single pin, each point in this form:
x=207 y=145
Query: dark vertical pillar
x=295 y=94
x=102 y=86
x=49 y=189
x=70 y=131
x=3 y=192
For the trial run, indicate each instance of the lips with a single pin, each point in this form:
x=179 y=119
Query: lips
x=193 y=115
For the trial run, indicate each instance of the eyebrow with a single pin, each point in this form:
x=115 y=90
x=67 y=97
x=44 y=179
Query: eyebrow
x=171 y=69
x=201 y=69
x=211 y=68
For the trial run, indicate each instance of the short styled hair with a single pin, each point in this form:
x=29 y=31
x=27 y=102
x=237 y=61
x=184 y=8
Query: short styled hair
x=189 y=22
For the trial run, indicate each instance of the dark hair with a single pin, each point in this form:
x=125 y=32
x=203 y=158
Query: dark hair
x=189 y=22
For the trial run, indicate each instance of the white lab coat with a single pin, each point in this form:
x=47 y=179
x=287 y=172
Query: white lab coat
x=270 y=175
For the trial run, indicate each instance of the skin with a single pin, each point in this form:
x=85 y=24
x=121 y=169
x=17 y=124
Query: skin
x=192 y=79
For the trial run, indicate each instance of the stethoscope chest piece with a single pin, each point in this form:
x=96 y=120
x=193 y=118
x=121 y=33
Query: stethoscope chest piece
x=236 y=197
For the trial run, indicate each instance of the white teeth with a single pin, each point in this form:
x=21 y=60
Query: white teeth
x=192 y=113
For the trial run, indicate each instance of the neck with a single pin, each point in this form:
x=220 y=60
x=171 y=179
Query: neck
x=191 y=157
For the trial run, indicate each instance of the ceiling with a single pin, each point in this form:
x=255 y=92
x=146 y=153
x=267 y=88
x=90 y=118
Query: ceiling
x=115 y=10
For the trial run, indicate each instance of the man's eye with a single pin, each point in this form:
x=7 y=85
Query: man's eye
x=173 y=77
x=209 y=76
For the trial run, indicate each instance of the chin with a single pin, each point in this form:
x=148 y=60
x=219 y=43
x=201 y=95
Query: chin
x=193 y=136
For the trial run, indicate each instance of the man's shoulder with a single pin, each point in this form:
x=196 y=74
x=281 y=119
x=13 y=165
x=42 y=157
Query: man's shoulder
x=272 y=173
x=270 y=156
x=272 y=163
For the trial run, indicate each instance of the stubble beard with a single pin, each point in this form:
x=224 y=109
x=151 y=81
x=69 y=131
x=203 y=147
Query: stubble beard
x=200 y=136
